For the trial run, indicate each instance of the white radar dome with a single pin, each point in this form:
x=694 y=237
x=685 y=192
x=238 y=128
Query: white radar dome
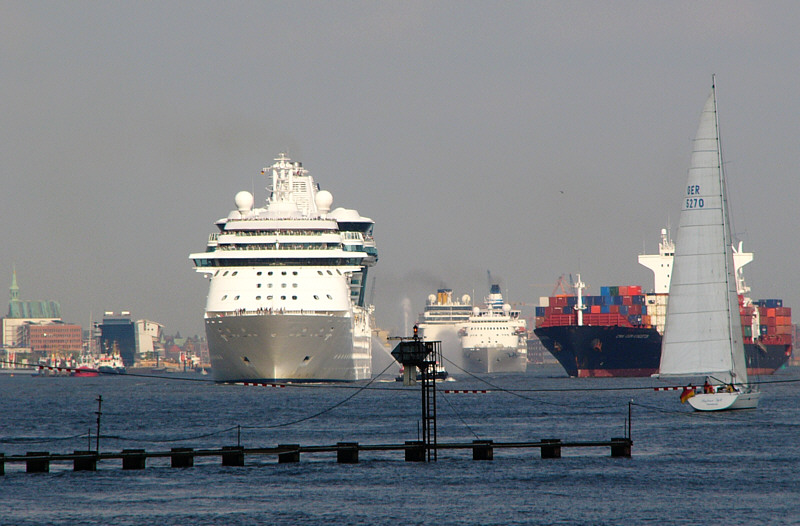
x=476 y=311
x=244 y=201
x=465 y=299
x=506 y=308
x=345 y=214
x=324 y=200
x=431 y=299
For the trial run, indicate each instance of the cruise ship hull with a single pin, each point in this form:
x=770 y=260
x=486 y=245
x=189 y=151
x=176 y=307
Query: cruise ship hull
x=612 y=351
x=495 y=360
x=287 y=347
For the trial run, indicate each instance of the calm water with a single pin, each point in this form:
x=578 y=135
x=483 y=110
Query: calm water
x=686 y=468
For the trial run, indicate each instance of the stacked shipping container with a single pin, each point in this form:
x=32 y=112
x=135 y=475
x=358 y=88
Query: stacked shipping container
x=618 y=305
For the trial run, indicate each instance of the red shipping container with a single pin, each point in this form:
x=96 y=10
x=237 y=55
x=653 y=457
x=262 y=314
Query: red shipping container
x=627 y=300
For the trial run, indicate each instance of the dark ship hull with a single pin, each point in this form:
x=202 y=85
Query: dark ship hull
x=613 y=351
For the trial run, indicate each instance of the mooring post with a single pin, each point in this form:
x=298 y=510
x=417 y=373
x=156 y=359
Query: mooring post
x=415 y=451
x=40 y=465
x=551 y=448
x=293 y=455
x=99 y=412
x=133 y=459
x=87 y=462
x=347 y=452
x=232 y=456
x=621 y=447
x=630 y=402
x=482 y=450
x=182 y=457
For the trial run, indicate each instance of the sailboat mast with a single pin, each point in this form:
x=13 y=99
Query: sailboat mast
x=739 y=371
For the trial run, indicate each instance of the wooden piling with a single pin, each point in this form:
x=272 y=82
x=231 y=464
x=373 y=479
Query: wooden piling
x=182 y=457
x=289 y=456
x=37 y=465
x=482 y=450
x=415 y=451
x=86 y=462
x=347 y=452
x=551 y=448
x=232 y=456
x=621 y=447
x=133 y=458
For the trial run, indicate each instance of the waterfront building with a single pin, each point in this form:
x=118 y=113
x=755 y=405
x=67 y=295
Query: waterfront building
x=22 y=313
x=118 y=335
x=148 y=339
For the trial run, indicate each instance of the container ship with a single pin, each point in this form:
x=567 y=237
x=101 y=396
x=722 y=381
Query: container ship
x=286 y=297
x=618 y=333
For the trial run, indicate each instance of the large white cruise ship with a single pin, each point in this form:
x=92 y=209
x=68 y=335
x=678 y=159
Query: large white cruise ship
x=287 y=285
x=494 y=339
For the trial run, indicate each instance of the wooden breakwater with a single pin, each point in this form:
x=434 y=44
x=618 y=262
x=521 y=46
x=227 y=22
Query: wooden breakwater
x=346 y=453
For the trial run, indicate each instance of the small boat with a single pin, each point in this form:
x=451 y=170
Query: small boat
x=440 y=375
x=703 y=334
x=111 y=364
x=86 y=367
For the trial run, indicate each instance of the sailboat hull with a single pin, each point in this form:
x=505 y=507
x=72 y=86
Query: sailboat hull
x=725 y=401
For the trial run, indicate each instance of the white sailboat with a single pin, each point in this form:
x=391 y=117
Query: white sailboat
x=703 y=333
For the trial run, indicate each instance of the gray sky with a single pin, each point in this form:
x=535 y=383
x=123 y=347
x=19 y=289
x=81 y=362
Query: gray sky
x=532 y=139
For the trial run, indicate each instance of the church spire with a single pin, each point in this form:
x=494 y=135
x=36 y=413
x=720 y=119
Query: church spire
x=14 y=287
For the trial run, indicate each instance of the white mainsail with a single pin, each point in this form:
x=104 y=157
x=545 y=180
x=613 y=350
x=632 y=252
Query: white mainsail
x=703 y=333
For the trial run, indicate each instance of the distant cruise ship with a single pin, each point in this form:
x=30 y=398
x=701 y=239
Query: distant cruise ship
x=286 y=299
x=494 y=339
x=442 y=320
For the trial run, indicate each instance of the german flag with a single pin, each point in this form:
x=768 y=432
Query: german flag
x=687 y=393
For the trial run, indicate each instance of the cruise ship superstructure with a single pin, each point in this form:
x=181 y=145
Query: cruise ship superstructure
x=286 y=298
x=494 y=339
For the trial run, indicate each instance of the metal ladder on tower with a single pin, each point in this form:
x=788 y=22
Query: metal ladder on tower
x=428 y=381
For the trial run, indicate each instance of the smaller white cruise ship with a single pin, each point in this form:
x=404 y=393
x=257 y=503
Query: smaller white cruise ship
x=494 y=339
x=442 y=320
